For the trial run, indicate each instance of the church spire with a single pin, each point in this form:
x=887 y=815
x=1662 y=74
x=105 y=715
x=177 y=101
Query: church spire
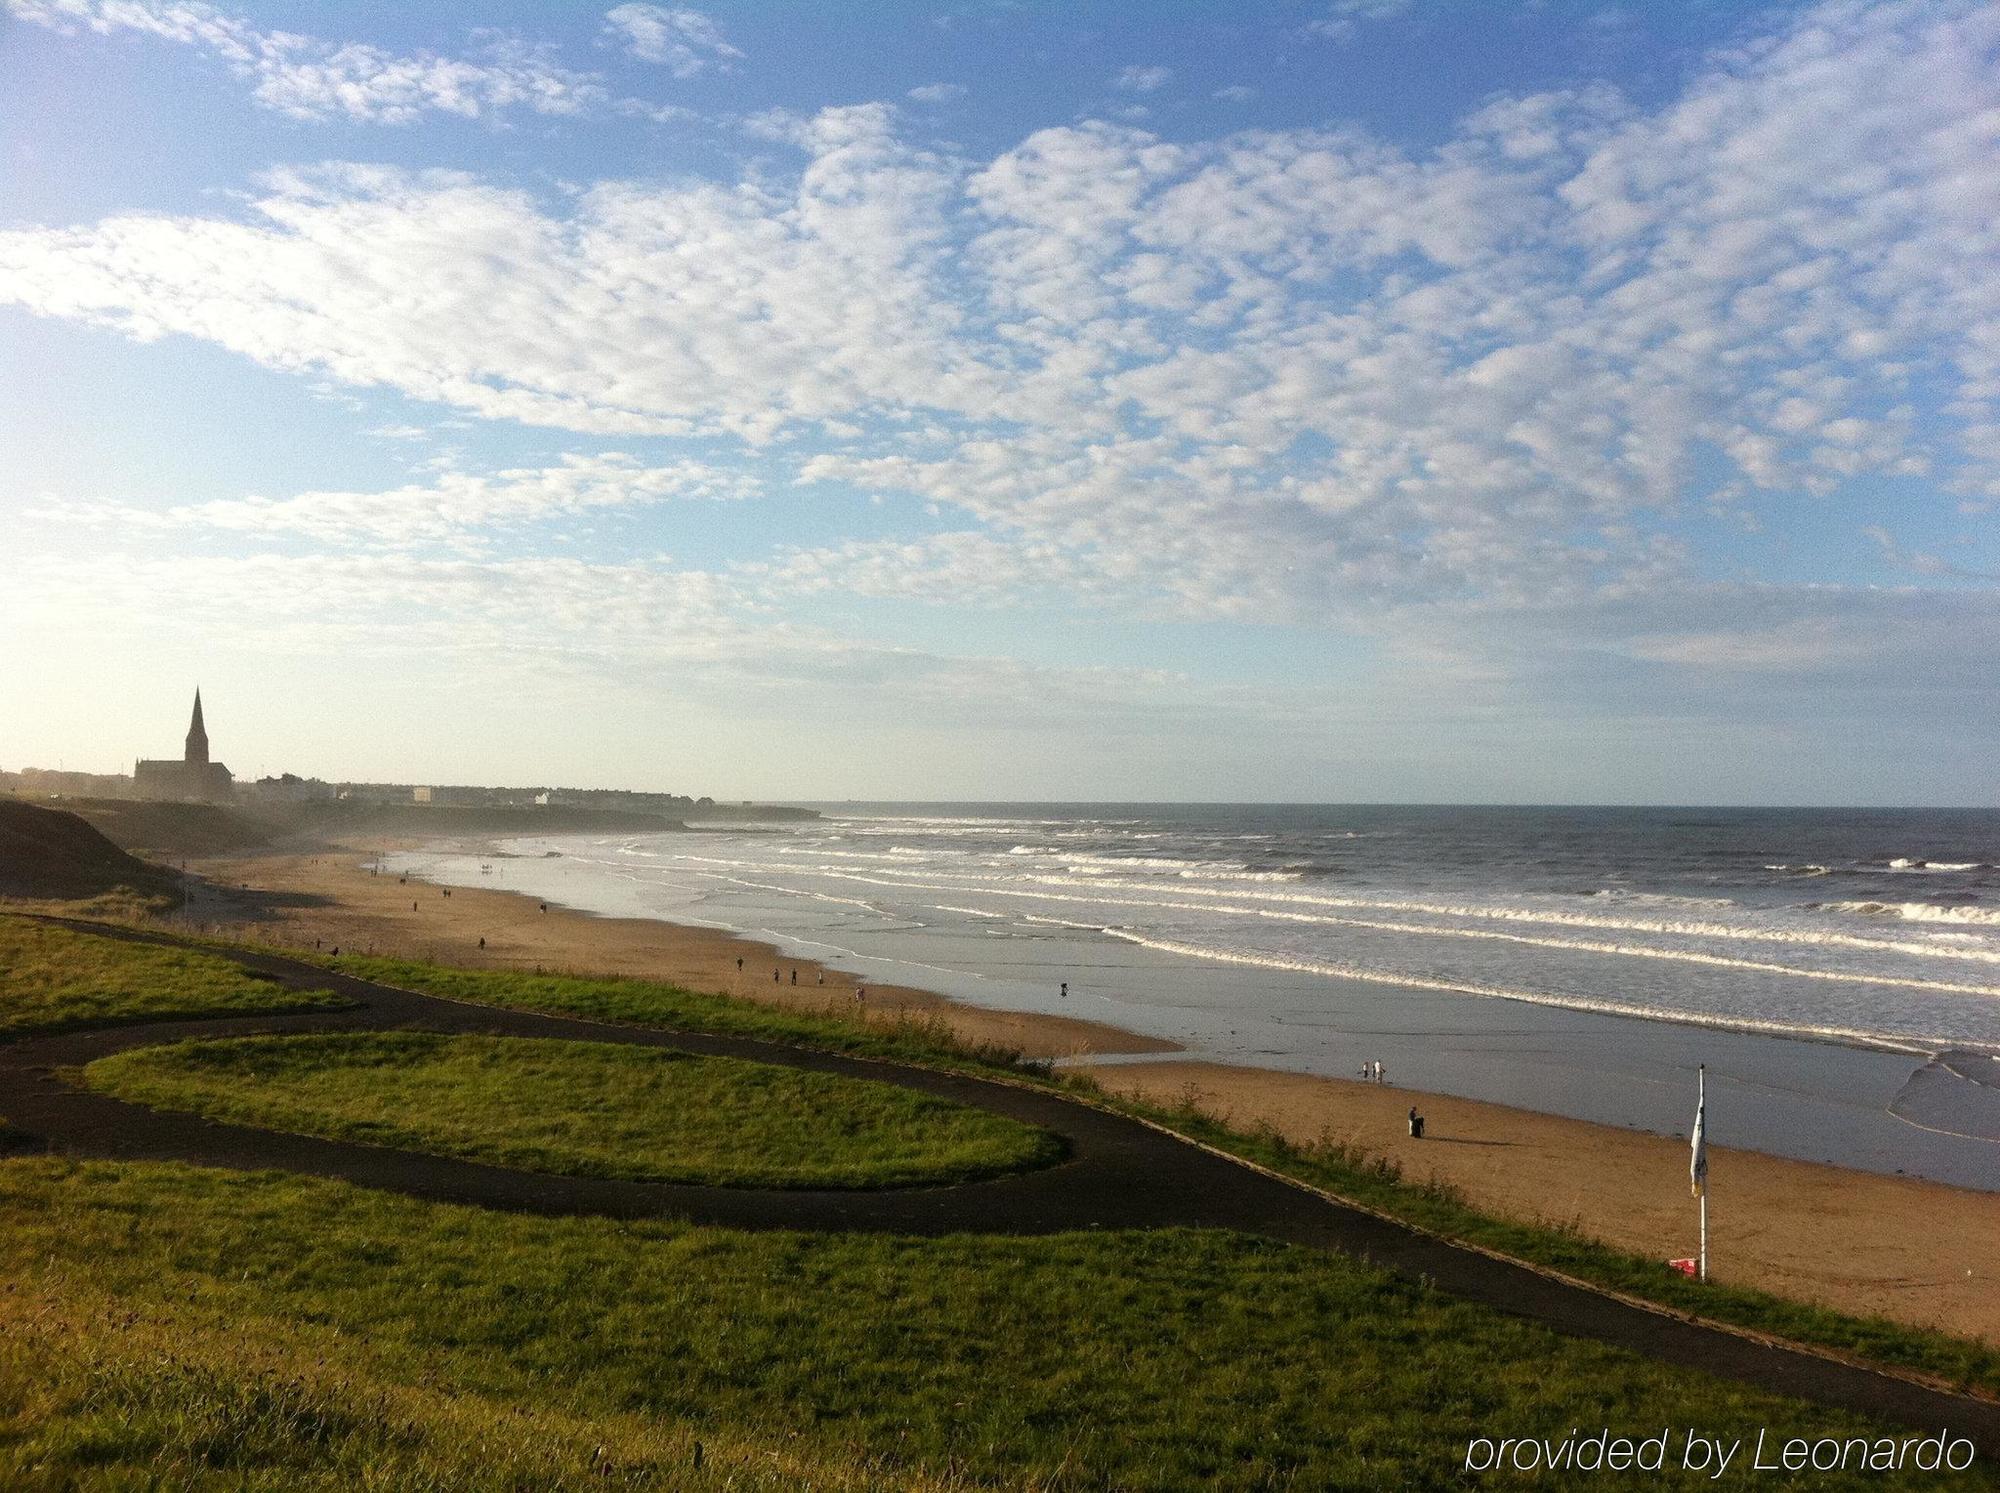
x=197 y=737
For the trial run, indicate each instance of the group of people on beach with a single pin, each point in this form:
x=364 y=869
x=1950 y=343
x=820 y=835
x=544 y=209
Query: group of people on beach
x=777 y=972
x=1372 y=1071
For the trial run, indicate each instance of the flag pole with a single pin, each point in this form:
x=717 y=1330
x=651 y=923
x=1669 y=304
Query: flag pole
x=1701 y=1109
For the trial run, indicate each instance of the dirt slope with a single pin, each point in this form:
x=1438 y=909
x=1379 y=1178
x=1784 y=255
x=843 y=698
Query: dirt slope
x=52 y=854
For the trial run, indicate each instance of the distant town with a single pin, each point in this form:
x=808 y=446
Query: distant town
x=194 y=777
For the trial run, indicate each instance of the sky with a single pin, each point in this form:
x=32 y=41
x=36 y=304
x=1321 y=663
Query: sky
x=1354 y=400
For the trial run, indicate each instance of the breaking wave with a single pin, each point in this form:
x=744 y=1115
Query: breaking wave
x=1854 y=1035
x=1919 y=912
x=1596 y=912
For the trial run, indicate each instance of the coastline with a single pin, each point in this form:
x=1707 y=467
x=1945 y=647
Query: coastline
x=1913 y=1250
x=329 y=896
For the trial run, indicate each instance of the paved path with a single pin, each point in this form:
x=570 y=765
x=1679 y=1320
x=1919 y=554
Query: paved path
x=1120 y=1173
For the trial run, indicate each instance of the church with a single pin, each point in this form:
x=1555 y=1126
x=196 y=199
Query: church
x=191 y=776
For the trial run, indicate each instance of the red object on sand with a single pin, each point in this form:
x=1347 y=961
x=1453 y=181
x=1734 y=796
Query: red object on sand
x=1686 y=1267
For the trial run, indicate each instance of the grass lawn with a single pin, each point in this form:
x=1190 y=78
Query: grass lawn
x=53 y=979
x=647 y=1003
x=591 y=1109
x=911 y=1037
x=1341 y=1170
x=169 y=1324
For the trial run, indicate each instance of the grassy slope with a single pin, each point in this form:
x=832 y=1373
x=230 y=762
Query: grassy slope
x=1960 y=1361
x=1957 y=1360
x=52 y=854
x=175 y=829
x=582 y=1108
x=53 y=979
x=913 y=1038
x=1166 y=1360
x=96 y=1394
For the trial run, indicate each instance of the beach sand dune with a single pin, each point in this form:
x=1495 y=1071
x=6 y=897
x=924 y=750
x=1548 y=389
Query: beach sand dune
x=1914 y=1251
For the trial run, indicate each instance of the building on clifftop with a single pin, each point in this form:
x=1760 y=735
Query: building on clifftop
x=191 y=776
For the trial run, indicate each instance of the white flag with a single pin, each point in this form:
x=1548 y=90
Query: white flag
x=1698 y=1159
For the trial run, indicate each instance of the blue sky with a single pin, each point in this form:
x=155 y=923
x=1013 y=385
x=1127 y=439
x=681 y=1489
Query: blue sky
x=1356 y=399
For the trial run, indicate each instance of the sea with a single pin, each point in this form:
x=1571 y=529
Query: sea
x=1837 y=972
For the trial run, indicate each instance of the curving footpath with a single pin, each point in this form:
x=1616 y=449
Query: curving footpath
x=1120 y=1173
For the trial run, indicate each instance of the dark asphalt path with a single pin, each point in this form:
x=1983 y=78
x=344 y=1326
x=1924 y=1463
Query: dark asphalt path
x=1120 y=1174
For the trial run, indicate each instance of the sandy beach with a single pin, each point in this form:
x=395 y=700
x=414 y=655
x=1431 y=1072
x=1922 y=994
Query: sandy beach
x=332 y=899
x=1915 y=1251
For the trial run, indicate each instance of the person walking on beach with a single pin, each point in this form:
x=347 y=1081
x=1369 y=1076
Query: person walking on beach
x=795 y=975
x=739 y=966
x=1065 y=990
x=1416 y=1124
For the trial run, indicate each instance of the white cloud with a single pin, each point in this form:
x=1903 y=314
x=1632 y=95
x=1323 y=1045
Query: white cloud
x=552 y=623
x=938 y=93
x=309 y=78
x=685 y=42
x=1235 y=93
x=1143 y=79
x=1287 y=375
x=1340 y=19
x=457 y=508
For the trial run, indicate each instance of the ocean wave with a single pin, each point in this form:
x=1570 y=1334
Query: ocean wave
x=1103 y=881
x=1100 y=882
x=1904 y=863
x=1148 y=862
x=895 y=853
x=1919 y=912
x=1805 y=870
x=1660 y=899
x=1399 y=940
x=1923 y=1046
x=1681 y=928
x=959 y=820
x=1223 y=871
x=1584 y=946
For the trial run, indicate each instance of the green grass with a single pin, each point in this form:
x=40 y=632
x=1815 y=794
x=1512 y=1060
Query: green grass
x=1956 y=1360
x=911 y=1037
x=54 y=979
x=1340 y=1170
x=472 y=1342
x=590 y=1109
x=1351 y=1173
x=104 y=1397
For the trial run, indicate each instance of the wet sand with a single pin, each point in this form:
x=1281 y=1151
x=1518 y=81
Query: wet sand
x=1915 y=1251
